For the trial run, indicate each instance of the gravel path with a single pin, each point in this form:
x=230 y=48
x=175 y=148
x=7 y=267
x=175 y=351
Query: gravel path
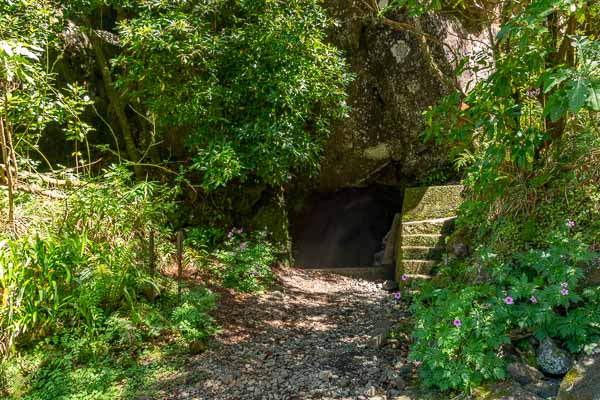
x=314 y=336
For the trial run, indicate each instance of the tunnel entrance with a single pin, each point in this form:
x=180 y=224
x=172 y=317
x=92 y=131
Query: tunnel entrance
x=344 y=229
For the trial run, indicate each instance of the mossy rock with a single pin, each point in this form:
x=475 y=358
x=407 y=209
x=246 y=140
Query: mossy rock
x=431 y=202
x=582 y=382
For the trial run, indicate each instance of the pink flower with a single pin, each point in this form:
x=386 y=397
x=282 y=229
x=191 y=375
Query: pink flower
x=457 y=323
x=564 y=285
x=397 y=295
x=243 y=245
x=533 y=299
x=509 y=300
x=564 y=292
x=570 y=223
x=404 y=277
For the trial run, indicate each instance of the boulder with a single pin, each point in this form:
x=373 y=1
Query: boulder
x=523 y=373
x=551 y=359
x=582 y=382
x=395 y=82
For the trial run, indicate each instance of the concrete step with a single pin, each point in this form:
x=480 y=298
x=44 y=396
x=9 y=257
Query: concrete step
x=418 y=267
x=428 y=226
x=431 y=202
x=431 y=240
x=422 y=252
x=377 y=273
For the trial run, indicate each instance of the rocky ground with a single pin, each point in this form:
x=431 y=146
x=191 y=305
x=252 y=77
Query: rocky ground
x=314 y=336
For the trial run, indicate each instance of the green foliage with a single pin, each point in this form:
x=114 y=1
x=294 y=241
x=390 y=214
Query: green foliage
x=61 y=368
x=125 y=357
x=247 y=260
x=542 y=80
x=252 y=84
x=85 y=268
x=31 y=99
x=239 y=259
x=190 y=318
x=459 y=357
x=525 y=137
x=76 y=296
x=538 y=292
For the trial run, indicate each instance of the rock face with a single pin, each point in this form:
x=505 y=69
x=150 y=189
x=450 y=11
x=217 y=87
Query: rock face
x=582 y=382
x=394 y=84
x=552 y=359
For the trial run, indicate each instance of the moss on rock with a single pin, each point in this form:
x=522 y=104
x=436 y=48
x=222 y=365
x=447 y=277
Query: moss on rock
x=431 y=202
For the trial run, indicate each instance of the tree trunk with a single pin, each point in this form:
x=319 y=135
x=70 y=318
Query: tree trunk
x=7 y=159
x=116 y=104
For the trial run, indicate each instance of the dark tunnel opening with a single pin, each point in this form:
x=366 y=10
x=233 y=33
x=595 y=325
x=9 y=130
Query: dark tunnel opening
x=346 y=228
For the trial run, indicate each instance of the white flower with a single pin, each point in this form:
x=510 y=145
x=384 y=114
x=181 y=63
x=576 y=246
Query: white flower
x=86 y=98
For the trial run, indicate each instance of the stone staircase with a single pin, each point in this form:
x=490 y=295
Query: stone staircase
x=428 y=215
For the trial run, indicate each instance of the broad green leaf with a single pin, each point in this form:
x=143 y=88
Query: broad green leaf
x=593 y=97
x=577 y=94
x=555 y=79
x=555 y=107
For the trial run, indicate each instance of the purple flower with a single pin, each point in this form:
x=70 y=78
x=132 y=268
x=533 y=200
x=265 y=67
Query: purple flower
x=564 y=285
x=397 y=295
x=230 y=235
x=508 y=300
x=570 y=223
x=533 y=299
x=404 y=277
x=241 y=230
x=243 y=245
x=564 y=292
x=457 y=323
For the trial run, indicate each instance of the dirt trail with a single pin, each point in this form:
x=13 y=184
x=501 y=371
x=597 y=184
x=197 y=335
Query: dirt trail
x=313 y=336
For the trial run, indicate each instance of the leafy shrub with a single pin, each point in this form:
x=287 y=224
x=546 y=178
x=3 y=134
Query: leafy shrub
x=460 y=329
x=253 y=85
x=458 y=333
x=246 y=259
x=191 y=319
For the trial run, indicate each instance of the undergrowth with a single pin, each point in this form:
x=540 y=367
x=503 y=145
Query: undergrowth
x=83 y=315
